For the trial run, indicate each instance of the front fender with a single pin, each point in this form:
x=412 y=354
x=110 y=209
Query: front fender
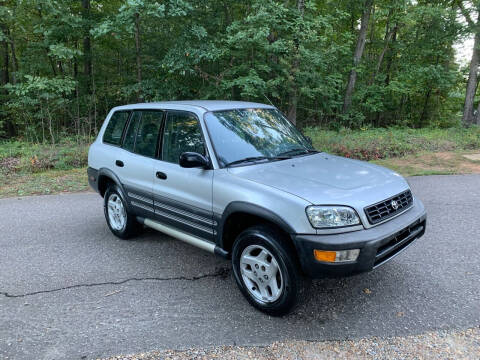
x=252 y=209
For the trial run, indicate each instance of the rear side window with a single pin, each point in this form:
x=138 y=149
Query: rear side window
x=113 y=132
x=147 y=134
x=182 y=133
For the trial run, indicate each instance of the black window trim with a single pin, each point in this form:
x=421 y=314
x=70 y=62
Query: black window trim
x=130 y=119
x=159 y=135
x=122 y=138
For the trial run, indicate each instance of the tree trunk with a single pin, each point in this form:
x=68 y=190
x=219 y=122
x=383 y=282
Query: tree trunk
x=139 y=58
x=388 y=37
x=371 y=54
x=423 y=116
x=87 y=45
x=477 y=115
x=50 y=124
x=87 y=58
x=52 y=64
x=14 y=60
x=468 y=116
x=13 y=49
x=362 y=36
x=60 y=68
x=293 y=93
x=292 y=106
x=390 y=60
x=5 y=78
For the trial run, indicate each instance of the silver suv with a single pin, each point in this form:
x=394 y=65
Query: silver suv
x=237 y=179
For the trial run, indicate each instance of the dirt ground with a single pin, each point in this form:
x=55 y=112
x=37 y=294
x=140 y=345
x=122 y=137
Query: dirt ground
x=433 y=164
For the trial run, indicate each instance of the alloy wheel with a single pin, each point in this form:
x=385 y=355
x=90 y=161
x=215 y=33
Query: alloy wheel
x=261 y=274
x=117 y=215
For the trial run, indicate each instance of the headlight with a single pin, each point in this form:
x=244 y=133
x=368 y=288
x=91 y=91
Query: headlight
x=332 y=216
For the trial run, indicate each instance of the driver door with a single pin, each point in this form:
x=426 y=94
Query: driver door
x=183 y=197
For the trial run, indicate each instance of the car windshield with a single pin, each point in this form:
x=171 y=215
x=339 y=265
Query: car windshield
x=253 y=134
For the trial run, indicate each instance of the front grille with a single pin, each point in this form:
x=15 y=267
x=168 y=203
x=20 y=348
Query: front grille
x=384 y=209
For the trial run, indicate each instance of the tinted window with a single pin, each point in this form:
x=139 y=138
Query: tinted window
x=131 y=133
x=147 y=134
x=113 y=132
x=182 y=133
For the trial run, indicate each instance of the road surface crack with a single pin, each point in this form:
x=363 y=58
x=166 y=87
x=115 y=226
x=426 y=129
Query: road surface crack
x=220 y=272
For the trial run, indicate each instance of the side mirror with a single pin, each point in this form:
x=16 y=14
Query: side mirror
x=193 y=160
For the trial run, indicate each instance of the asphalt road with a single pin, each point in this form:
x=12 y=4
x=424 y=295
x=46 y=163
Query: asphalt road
x=70 y=289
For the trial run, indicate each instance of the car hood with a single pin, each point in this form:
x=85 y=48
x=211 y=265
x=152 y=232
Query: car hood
x=327 y=179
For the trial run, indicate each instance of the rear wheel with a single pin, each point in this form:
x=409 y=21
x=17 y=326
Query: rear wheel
x=122 y=223
x=266 y=271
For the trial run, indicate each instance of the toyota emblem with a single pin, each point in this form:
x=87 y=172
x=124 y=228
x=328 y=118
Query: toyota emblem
x=394 y=205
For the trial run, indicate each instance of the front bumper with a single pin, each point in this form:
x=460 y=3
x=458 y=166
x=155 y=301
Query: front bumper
x=377 y=244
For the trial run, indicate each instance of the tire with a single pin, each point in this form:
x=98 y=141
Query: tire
x=121 y=222
x=275 y=292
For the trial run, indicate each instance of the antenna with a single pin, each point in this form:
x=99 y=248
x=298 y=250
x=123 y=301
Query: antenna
x=269 y=100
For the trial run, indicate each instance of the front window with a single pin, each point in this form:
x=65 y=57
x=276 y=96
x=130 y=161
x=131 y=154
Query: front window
x=253 y=133
x=182 y=134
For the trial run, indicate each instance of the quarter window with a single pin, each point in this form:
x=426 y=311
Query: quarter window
x=113 y=132
x=182 y=133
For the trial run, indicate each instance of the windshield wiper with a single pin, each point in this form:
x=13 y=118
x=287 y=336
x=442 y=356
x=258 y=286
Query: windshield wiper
x=257 y=158
x=299 y=151
x=247 y=159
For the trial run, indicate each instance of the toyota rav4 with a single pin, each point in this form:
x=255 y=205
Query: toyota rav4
x=237 y=179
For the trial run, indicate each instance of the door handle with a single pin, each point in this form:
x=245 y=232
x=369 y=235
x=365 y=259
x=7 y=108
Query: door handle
x=119 y=163
x=161 y=175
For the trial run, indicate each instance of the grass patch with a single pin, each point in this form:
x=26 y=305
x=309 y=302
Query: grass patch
x=22 y=157
x=28 y=169
x=374 y=144
x=44 y=183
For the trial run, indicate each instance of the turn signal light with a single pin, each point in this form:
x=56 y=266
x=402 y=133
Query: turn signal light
x=325 y=256
x=336 y=256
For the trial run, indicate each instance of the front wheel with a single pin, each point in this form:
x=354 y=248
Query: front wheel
x=266 y=270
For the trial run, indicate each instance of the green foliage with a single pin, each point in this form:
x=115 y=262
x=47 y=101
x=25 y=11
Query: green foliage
x=220 y=49
x=62 y=52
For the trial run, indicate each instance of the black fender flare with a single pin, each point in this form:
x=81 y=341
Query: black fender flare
x=252 y=209
x=105 y=172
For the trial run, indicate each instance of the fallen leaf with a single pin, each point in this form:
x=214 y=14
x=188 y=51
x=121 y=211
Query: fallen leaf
x=113 y=293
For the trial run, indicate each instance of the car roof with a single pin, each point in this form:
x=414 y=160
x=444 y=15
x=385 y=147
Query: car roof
x=206 y=105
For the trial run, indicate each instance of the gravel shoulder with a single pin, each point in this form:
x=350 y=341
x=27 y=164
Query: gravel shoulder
x=433 y=345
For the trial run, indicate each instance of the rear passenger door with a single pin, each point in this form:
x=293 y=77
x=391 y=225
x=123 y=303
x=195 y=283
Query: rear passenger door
x=139 y=150
x=183 y=197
